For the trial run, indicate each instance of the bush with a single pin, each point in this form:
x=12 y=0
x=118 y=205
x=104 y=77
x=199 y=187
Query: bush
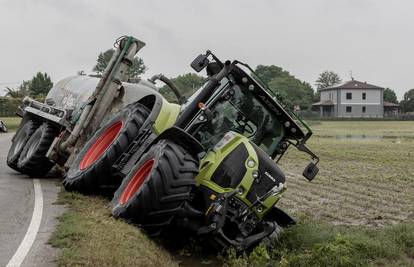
x=8 y=106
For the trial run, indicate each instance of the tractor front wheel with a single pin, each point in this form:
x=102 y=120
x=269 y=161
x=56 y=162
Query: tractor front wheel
x=157 y=187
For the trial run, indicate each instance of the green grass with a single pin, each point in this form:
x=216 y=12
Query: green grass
x=11 y=123
x=369 y=128
x=357 y=212
x=88 y=236
x=319 y=244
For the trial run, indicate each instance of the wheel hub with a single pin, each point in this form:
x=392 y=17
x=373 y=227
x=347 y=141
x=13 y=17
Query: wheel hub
x=101 y=145
x=137 y=180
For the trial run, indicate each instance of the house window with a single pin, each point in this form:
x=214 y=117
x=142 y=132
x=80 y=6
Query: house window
x=364 y=109
x=348 y=109
x=364 y=96
x=348 y=95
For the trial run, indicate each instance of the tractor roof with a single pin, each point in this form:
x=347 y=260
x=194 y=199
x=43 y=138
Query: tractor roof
x=294 y=126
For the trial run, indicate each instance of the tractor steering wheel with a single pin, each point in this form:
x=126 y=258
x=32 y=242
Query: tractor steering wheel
x=245 y=127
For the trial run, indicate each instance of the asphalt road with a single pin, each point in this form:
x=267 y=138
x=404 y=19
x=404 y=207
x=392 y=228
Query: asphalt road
x=17 y=201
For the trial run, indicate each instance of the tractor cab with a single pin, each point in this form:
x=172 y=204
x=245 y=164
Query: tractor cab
x=243 y=104
x=243 y=131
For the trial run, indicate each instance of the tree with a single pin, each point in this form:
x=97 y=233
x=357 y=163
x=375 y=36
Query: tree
x=407 y=104
x=24 y=88
x=19 y=92
x=268 y=73
x=39 y=85
x=390 y=96
x=14 y=93
x=134 y=71
x=187 y=84
x=290 y=90
x=327 y=79
x=293 y=92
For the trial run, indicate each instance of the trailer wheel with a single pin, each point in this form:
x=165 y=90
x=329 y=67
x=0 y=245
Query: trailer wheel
x=18 y=143
x=157 y=187
x=92 y=166
x=33 y=160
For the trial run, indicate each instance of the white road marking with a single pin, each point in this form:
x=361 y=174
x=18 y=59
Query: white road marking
x=34 y=226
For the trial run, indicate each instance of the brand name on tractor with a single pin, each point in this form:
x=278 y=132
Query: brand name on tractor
x=270 y=176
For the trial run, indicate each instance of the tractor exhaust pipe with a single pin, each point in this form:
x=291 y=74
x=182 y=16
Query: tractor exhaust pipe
x=181 y=99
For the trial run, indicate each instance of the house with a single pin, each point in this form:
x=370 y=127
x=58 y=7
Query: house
x=352 y=99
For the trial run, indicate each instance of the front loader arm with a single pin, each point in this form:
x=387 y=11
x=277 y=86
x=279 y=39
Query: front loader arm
x=100 y=103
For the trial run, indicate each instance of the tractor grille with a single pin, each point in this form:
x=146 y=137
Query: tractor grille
x=269 y=176
x=230 y=172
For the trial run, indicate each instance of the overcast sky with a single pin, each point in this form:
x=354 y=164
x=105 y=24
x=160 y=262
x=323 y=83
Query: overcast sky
x=373 y=38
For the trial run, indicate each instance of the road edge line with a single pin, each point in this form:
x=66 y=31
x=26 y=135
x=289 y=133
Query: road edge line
x=33 y=228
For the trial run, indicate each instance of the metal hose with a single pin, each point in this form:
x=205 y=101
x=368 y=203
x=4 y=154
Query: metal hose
x=181 y=99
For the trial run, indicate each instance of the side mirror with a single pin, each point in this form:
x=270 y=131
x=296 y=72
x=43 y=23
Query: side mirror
x=310 y=171
x=200 y=62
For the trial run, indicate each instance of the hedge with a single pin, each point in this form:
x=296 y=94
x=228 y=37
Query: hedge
x=8 y=106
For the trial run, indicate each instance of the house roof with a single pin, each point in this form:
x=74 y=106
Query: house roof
x=389 y=104
x=324 y=103
x=353 y=84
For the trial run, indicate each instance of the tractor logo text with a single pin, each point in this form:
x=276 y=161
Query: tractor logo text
x=270 y=176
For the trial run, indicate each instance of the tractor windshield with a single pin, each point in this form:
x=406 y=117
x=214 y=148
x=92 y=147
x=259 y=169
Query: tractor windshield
x=237 y=109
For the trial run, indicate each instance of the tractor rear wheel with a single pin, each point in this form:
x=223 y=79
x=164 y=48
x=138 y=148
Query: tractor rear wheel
x=33 y=160
x=92 y=167
x=18 y=143
x=157 y=187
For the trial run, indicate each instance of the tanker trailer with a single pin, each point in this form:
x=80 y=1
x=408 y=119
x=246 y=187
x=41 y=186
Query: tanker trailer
x=52 y=132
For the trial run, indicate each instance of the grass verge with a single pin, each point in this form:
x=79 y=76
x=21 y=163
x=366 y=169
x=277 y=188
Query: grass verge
x=319 y=244
x=88 y=236
x=11 y=123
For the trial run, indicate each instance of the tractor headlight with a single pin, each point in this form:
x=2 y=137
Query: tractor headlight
x=251 y=163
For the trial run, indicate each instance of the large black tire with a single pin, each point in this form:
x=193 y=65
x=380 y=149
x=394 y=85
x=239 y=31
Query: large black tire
x=92 y=167
x=33 y=160
x=18 y=143
x=157 y=187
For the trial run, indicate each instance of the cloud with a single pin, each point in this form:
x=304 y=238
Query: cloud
x=371 y=38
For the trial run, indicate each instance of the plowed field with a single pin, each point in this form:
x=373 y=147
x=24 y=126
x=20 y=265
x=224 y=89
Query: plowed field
x=366 y=174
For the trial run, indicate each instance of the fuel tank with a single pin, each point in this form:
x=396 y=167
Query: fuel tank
x=73 y=92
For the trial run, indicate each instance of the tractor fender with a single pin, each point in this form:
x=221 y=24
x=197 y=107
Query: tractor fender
x=182 y=138
x=163 y=113
x=280 y=217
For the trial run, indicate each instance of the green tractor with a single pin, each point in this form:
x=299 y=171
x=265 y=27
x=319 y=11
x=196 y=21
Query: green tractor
x=208 y=165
